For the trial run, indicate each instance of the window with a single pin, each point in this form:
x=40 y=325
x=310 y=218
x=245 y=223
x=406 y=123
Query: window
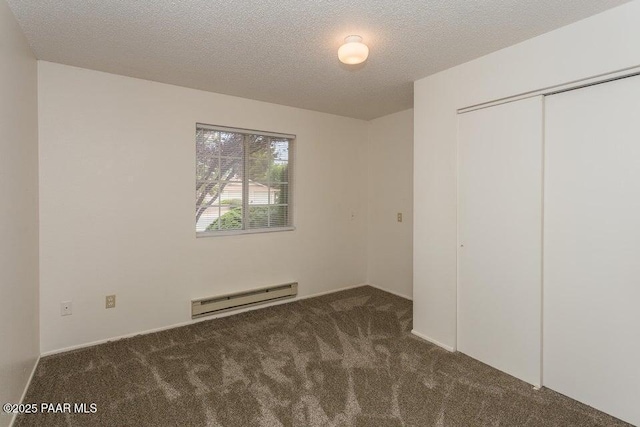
x=243 y=181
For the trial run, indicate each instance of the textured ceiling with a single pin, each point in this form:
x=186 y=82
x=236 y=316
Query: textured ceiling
x=285 y=51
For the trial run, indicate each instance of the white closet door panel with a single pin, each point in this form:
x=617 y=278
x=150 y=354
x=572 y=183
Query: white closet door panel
x=500 y=236
x=592 y=247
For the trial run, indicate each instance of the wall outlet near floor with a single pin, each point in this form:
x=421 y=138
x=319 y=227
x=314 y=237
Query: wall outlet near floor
x=110 y=301
x=399 y=216
x=65 y=308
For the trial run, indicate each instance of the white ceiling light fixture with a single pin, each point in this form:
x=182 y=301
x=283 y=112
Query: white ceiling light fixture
x=353 y=51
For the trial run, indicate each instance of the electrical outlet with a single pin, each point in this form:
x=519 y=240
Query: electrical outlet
x=110 y=301
x=399 y=216
x=65 y=308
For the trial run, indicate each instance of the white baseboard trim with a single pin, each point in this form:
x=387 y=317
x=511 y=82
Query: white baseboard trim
x=193 y=321
x=391 y=292
x=26 y=387
x=432 y=341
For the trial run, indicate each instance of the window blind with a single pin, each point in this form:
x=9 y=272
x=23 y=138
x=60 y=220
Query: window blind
x=243 y=180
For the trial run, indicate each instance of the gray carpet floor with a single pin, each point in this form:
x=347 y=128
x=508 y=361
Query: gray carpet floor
x=343 y=359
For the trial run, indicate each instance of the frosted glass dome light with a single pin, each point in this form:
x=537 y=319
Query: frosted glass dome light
x=353 y=51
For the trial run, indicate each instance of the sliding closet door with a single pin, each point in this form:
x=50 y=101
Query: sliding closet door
x=500 y=236
x=592 y=246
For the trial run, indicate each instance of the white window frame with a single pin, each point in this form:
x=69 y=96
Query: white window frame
x=245 y=187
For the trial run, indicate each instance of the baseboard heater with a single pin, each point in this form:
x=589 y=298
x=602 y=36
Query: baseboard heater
x=208 y=306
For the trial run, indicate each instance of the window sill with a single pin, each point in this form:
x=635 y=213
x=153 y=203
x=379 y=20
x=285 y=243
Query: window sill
x=241 y=232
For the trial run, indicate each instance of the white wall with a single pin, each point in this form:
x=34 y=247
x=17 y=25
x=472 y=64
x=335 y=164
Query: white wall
x=18 y=211
x=390 y=191
x=600 y=44
x=117 y=204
